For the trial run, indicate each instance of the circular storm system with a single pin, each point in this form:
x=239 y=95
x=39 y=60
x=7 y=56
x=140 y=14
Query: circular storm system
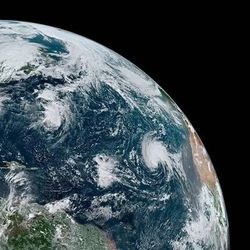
x=94 y=154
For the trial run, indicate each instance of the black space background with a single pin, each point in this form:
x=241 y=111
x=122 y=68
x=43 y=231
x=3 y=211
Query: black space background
x=192 y=54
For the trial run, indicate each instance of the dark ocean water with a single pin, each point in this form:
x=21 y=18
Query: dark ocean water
x=143 y=220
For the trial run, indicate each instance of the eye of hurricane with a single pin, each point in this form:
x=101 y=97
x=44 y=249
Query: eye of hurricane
x=93 y=151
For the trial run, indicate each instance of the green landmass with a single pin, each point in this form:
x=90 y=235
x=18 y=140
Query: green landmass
x=164 y=96
x=31 y=226
x=28 y=68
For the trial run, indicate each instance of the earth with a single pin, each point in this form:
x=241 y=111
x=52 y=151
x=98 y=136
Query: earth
x=94 y=154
